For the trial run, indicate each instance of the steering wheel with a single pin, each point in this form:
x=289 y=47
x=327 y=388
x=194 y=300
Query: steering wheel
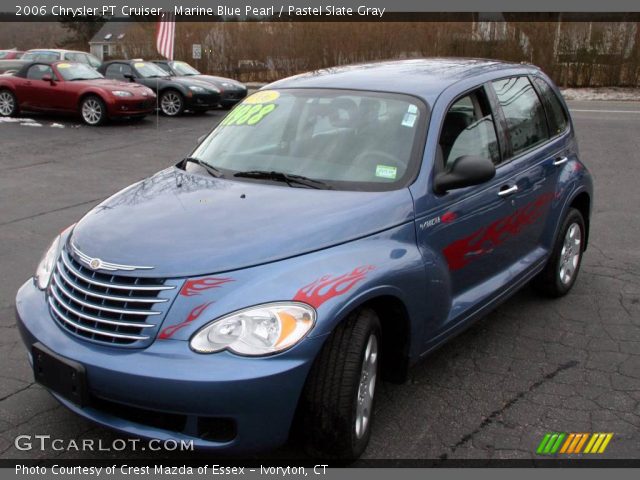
x=383 y=155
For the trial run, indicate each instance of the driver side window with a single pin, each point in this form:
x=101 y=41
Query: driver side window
x=36 y=72
x=469 y=130
x=117 y=71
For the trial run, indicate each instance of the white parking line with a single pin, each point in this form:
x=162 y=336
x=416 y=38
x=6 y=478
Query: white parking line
x=605 y=111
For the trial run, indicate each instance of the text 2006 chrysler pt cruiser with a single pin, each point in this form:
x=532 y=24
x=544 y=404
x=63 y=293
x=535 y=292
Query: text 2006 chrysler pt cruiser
x=334 y=228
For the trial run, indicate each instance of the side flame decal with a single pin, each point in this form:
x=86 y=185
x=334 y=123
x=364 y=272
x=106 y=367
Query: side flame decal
x=169 y=331
x=487 y=238
x=328 y=287
x=195 y=287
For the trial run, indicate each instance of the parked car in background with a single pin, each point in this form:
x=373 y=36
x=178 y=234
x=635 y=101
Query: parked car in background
x=11 y=66
x=10 y=54
x=175 y=94
x=333 y=229
x=231 y=91
x=55 y=54
x=72 y=88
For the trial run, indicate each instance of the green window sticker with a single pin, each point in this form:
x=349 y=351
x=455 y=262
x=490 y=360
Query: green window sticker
x=248 y=114
x=385 y=171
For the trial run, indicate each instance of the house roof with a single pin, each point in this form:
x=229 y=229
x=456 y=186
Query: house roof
x=111 y=32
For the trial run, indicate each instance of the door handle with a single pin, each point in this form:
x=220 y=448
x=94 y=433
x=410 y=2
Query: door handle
x=504 y=191
x=560 y=160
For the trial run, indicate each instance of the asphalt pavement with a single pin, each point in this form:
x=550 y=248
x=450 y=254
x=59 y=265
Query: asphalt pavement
x=532 y=366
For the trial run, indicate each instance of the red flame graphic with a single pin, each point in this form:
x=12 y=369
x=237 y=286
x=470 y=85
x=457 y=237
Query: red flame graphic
x=448 y=217
x=195 y=287
x=327 y=287
x=171 y=329
x=487 y=238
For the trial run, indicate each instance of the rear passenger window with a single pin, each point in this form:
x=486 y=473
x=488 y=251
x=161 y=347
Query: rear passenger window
x=469 y=130
x=526 y=121
x=556 y=114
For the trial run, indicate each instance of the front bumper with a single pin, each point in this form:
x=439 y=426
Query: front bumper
x=131 y=106
x=202 y=101
x=166 y=391
x=231 y=97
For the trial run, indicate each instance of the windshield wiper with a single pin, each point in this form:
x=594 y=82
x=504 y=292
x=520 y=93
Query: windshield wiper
x=287 y=178
x=213 y=171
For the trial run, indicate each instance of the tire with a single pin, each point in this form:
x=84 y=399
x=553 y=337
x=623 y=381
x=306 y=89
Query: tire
x=93 y=111
x=171 y=103
x=336 y=412
x=561 y=271
x=8 y=104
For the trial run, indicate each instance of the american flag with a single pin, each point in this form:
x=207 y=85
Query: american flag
x=166 y=35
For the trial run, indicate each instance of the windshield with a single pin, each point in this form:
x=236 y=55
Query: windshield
x=77 y=71
x=149 y=70
x=183 y=68
x=41 y=56
x=350 y=140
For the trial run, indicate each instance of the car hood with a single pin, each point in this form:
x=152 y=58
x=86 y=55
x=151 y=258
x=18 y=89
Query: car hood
x=218 y=81
x=184 y=224
x=187 y=81
x=114 y=84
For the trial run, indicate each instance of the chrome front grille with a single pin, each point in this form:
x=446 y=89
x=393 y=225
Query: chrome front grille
x=110 y=309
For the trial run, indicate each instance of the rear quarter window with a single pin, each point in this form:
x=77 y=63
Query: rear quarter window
x=556 y=114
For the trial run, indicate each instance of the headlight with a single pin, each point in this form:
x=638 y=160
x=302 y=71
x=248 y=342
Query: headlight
x=255 y=331
x=122 y=93
x=197 y=89
x=47 y=264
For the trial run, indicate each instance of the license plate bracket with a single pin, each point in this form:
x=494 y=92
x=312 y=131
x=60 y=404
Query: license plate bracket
x=65 y=377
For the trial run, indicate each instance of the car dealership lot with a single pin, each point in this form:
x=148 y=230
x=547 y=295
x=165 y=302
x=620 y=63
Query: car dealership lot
x=532 y=366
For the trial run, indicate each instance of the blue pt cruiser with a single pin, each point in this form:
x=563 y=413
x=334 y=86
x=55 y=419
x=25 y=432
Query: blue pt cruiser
x=333 y=229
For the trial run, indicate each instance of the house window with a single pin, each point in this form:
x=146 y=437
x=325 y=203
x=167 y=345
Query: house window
x=105 y=51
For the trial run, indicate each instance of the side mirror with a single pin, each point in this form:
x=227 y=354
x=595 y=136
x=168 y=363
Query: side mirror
x=48 y=78
x=466 y=171
x=129 y=76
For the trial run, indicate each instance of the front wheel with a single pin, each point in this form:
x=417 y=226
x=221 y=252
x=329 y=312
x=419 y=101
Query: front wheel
x=561 y=271
x=338 y=400
x=93 y=111
x=171 y=103
x=8 y=104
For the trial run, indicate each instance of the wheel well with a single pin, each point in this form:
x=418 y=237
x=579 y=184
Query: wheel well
x=395 y=336
x=582 y=203
x=88 y=94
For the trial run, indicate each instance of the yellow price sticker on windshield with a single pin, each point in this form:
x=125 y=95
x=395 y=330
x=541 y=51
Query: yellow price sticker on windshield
x=138 y=65
x=265 y=96
x=248 y=114
x=63 y=65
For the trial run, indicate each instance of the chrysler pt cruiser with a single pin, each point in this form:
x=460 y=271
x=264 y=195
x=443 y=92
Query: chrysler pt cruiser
x=333 y=229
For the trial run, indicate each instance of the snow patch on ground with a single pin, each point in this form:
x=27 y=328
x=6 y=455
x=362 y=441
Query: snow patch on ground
x=31 y=124
x=15 y=120
x=57 y=125
x=611 y=94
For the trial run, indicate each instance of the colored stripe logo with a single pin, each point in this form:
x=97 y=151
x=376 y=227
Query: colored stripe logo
x=572 y=443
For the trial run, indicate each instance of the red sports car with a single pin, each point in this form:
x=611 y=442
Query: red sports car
x=70 y=87
x=10 y=54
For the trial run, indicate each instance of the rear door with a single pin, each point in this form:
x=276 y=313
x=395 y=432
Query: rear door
x=532 y=156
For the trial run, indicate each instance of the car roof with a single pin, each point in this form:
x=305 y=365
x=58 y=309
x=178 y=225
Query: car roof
x=423 y=77
x=56 y=50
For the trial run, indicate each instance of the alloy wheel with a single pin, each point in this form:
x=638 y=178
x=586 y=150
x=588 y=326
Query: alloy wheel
x=92 y=111
x=171 y=104
x=7 y=104
x=570 y=253
x=366 y=386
